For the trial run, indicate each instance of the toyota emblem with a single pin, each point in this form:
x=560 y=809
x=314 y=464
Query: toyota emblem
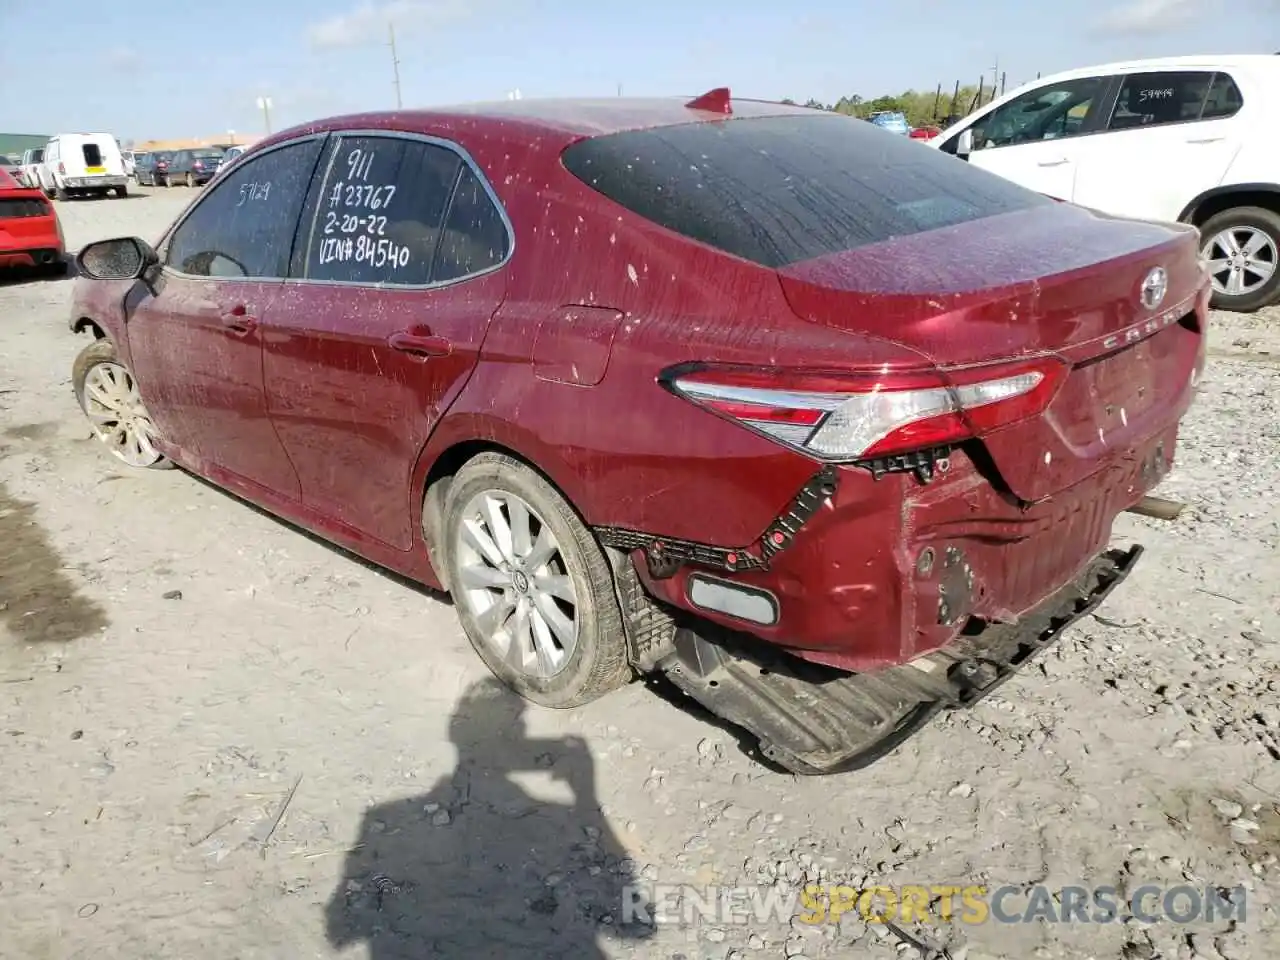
x=1154 y=288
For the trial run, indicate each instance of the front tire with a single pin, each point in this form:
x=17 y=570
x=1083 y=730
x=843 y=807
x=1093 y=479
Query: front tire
x=108 y=396
x=532 y=588
x=1242 y=246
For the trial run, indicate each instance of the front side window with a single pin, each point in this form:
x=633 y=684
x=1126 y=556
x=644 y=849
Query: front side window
x=1153 y=99
x=380 y=211
x=1051 y=112
x=244 y=227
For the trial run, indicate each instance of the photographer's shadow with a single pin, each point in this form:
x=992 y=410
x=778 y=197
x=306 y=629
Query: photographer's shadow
x=478 y=867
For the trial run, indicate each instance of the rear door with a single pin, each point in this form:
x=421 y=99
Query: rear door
x=397 y=272
x=1035 y=139
x=196 y=342
x=1171 y=136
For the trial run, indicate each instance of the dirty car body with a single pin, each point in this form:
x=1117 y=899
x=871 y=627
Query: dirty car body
x=838 y=428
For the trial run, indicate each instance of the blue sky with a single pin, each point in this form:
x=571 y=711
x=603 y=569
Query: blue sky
x=196 y=69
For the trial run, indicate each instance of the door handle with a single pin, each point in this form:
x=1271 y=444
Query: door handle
x=420 y=345
x=1206 y=140
x=1056 y=162
x=237 y=319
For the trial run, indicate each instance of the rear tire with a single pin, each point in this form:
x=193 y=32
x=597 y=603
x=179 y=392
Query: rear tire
x=1246 y=242
x=164 y=180
x=560 y=555
x=60 y=194
x=191 y=181
x=122 y=192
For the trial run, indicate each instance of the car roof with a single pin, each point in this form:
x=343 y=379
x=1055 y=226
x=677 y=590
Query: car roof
x=571 y=118
x=1263 y=61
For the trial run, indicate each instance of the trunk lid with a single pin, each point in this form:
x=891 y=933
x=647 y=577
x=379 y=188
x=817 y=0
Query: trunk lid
x=1058 y=280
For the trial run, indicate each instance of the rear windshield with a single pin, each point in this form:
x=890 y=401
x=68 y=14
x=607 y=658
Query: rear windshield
x=92 y=155
x=37 y=156
x=206 y=154
x=779 y=190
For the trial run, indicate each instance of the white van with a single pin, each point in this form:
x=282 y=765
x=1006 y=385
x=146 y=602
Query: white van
x=83 y=164
x=1193 y=139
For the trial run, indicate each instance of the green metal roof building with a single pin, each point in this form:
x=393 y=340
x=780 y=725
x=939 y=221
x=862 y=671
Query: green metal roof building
x=14 y=143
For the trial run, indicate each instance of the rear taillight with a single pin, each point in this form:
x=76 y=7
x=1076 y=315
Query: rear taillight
x=62 y=169
x=867 y=414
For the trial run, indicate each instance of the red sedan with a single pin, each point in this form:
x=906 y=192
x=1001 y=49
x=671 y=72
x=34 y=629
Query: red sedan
x=30 y=234
x=828 y=429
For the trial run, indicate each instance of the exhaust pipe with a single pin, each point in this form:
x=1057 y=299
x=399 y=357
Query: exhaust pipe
x=1157 y=508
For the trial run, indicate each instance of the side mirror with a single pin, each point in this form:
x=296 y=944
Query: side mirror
x=124 y=258
x=964 y=143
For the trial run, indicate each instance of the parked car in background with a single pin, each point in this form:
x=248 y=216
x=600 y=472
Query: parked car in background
x=892 y=120
x=1190 y=139
x=927 y=132
x=152 y=169
x=228 y=157
x=866 y=452
x=83 y=164
x=32 y=162
x=30 y=234
x=130 y=162
x=195 y=167
x=12 y=168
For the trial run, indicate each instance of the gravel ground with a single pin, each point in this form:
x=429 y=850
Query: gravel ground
x=213 y=729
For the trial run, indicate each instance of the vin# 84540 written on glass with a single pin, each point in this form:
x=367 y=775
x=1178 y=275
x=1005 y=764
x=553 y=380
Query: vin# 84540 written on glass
x=380 y=252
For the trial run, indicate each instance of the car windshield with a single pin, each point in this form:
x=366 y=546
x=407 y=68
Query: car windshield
x=779 y=190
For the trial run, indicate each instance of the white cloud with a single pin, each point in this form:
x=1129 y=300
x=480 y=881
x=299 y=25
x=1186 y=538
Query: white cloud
x=367 y=22
x=1153 y=16
x=124 y=59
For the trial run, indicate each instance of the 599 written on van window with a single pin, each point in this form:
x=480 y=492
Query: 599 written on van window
x=383 y=208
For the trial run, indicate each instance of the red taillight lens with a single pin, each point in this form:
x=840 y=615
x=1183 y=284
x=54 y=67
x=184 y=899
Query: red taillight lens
x=862 y=415
x=62 y=169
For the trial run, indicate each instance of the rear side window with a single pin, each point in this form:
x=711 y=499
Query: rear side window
x=474 y=237
x=92 y=155
x=780 y=190
x=244 y=226
x=1152 y=99
x=380 y=211
x=1224 y=98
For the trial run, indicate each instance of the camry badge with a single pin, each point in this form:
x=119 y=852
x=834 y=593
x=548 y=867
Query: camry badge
x=1154 y=288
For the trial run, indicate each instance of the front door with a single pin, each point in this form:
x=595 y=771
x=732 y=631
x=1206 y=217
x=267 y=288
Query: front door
x=1034 y=139
x=398 y=271
x=195 y=336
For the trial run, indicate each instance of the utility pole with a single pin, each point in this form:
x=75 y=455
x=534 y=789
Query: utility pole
x=619 y=89
x=264 y=104
x=395 y=63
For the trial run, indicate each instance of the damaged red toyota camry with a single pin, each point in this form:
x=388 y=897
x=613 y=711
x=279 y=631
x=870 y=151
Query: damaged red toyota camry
x=829 y=429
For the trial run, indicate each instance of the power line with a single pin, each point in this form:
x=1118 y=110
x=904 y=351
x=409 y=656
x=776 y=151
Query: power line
x=395 y=63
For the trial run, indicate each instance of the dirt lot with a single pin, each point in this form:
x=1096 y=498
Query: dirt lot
x=214 y=731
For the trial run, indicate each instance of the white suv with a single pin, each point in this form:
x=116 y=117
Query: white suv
x=1195 y=139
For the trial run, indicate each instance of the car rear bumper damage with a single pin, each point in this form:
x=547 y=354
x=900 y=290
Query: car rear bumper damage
x=811 y=719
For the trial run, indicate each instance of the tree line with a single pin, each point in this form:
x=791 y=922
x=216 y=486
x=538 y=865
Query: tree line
x=921 y=107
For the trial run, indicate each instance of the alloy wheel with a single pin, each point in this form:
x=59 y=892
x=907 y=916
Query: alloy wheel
x=1241 y=260
x=117 y=415
x=516 y=584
